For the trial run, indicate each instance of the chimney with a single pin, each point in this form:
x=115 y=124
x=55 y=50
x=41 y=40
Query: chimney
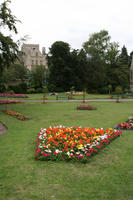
x=43 y=51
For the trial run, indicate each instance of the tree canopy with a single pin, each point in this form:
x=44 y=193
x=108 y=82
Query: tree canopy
x=8 y=48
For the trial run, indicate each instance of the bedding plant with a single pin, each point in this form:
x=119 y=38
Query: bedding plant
x=16 y=115
x=6 y=101
x=74 y=143
x=86 y=107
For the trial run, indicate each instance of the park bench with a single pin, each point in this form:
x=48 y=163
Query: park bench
x=62 y=97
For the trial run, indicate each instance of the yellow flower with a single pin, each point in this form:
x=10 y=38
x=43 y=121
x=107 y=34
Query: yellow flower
x=80 y=146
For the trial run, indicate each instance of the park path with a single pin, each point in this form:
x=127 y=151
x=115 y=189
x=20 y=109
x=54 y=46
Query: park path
x=87 y=100
x=3 y=129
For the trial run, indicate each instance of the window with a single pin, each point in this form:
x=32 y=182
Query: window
x=40 y=62
x=36 y=53
x=36 y=62
x=32 y=62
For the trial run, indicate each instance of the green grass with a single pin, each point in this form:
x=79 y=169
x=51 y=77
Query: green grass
x=40 y=96
x=108 y=176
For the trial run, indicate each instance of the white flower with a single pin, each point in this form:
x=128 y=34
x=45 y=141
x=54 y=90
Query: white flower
x=68 y=153
x=48 y=151
x=40 y=137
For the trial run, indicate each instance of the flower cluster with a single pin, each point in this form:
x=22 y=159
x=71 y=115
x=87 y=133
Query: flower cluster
x=125 y=126
x=75 y=143
x=6 y=101
x=85 y=107
x=13 y=95
x=128 y=125
x=16 y=115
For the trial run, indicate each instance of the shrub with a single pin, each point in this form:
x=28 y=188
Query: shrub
x=39 y=90
x=11 y=92
x=85 y=107
x=2 y=88
x=31 y=90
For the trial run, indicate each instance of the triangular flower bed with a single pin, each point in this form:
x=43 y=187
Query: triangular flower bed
x=75 y=143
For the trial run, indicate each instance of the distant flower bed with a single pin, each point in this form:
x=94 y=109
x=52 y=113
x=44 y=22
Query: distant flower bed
x=125 y=126
x=6 y=101
x=75 y=143
x=85 y=107
x=16 y=115
x=13 y=95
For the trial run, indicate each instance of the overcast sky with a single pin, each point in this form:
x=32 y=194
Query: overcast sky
x=72 y=21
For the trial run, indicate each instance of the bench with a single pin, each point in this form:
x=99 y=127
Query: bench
x=62 y=97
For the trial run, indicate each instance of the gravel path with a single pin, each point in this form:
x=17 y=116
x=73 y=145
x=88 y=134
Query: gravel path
x=3 y=129
x=87 y=100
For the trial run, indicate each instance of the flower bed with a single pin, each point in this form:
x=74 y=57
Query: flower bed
x=85 y=107
x=128 y=125
x=16 y=115
x=125 y=126
x=6 y=101
x=75 y=143
x=13 y=95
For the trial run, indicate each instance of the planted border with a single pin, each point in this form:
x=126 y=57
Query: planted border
x=17 y=115
x=75 y=143
x=13 y=95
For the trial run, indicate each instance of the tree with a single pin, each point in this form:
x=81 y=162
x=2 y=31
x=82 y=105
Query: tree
x=14 y=72
x=97 y=44
x=59 y=66
x=8 y=48
x=79 y=69
x=37 y=77
x=124 y=58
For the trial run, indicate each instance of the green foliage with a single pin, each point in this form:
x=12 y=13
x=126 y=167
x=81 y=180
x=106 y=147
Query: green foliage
x=14 y=72
x=37 y=76
x=97 y=44
x=8 y=48
x=2 y=88
x=19 y=89
x=118 y=90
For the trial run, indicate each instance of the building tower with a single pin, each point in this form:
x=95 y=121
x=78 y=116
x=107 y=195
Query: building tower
x=32 y=56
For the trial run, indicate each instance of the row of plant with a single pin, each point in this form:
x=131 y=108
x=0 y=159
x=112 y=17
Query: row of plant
x=6 y=101
x=13 y=95
x=17 y=115
x=86 y=107
x=75 y=143
x=128 y=125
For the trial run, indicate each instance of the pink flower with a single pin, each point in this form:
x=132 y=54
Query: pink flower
x=98 y=147
x=38 y=150
x=88 y=154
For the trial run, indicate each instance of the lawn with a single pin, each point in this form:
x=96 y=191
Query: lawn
x=108 y=176
x=53 y=97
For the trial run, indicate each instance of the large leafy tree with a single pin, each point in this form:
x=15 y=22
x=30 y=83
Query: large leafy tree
x=59 y=65
x=97 y=44
x=8 y=48
x=14 y=72
x=106 y=62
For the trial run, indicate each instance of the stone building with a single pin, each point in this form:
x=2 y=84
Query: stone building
x=32 y=55
x=131 y=75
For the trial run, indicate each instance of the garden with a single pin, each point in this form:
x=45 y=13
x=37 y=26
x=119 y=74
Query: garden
x=107 y=174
